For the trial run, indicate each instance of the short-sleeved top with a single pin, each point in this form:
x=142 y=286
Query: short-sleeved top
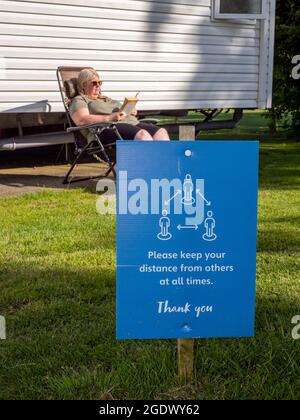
x=101 y=106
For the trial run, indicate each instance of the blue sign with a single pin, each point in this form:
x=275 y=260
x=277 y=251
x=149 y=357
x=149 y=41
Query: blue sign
x=186 y=239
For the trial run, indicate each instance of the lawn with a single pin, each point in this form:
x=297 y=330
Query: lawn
x=57 y=279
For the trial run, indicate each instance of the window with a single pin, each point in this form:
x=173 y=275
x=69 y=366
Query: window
x=240 y=9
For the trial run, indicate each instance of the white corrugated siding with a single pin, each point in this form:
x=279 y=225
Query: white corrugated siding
x=170 y=50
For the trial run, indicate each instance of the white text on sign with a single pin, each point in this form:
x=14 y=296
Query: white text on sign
x=165 y=307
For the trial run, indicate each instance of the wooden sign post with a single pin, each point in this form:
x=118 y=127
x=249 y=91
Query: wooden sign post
x=185 y=347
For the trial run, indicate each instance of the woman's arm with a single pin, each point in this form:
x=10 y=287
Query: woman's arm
x=83 y=117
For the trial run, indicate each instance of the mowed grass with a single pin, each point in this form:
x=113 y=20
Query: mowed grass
x=57 y=280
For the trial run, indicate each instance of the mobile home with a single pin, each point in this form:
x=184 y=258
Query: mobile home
x=180 y=54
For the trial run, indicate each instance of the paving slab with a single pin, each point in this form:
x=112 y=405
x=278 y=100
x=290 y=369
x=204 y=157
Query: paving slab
x=18 y=181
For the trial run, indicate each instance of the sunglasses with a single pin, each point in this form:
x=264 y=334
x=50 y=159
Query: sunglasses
x=97 y=83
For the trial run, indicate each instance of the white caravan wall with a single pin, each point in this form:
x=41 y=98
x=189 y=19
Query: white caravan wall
x=170 y=50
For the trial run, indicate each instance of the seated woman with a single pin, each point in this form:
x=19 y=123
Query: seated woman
x=91 y=107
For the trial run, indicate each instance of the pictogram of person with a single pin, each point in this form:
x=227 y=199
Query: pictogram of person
x=164 y=224
x=210 y=224
x=188 y=188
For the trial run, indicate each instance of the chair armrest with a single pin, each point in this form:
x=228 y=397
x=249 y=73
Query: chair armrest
x=90 y=126
x=149 y=121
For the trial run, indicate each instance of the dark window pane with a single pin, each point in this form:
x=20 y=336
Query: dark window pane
x=241 y=6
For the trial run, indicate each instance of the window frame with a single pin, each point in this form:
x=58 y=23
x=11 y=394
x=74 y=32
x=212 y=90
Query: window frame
x=237 y=16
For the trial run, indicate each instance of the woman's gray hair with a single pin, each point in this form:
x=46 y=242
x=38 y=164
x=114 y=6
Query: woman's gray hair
x=84 y=77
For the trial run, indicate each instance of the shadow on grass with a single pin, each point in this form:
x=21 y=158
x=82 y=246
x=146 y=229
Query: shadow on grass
x=61 y=344
x=61 y=340
x=279 y=166
x=272 y=240
x=290 y=219
x=20 y=181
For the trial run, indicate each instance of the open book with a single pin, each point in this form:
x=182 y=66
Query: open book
x=129 y=104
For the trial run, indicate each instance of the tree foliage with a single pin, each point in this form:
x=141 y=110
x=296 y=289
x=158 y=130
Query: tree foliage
x=286 y=97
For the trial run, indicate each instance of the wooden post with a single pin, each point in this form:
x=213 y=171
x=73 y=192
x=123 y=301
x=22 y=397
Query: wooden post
x=185 y=346
x=187 y=132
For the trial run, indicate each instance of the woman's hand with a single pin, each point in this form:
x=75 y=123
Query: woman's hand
x=134 y=112
x=118 y=116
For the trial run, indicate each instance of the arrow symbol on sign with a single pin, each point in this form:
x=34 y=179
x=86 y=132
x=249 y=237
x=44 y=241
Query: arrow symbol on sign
x=172 y=198
x=195 y=227
x=208 y=203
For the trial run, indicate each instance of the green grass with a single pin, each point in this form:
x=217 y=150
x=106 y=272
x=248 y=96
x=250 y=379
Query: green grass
x=57 y=279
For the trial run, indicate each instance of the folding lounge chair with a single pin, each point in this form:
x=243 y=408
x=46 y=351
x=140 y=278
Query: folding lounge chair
x=67 y=80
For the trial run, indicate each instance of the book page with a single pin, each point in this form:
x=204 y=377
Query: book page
x=129 y=105
x=128 y=108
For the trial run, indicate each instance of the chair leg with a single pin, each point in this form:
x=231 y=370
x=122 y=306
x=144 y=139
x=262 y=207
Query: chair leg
x=78 y=157
x=76 y=161
x=111 y=168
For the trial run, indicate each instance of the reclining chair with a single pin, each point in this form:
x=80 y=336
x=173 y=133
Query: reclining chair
x=67 y=80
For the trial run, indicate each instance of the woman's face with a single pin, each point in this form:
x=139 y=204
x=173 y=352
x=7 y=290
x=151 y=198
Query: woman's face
x=93 y=87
